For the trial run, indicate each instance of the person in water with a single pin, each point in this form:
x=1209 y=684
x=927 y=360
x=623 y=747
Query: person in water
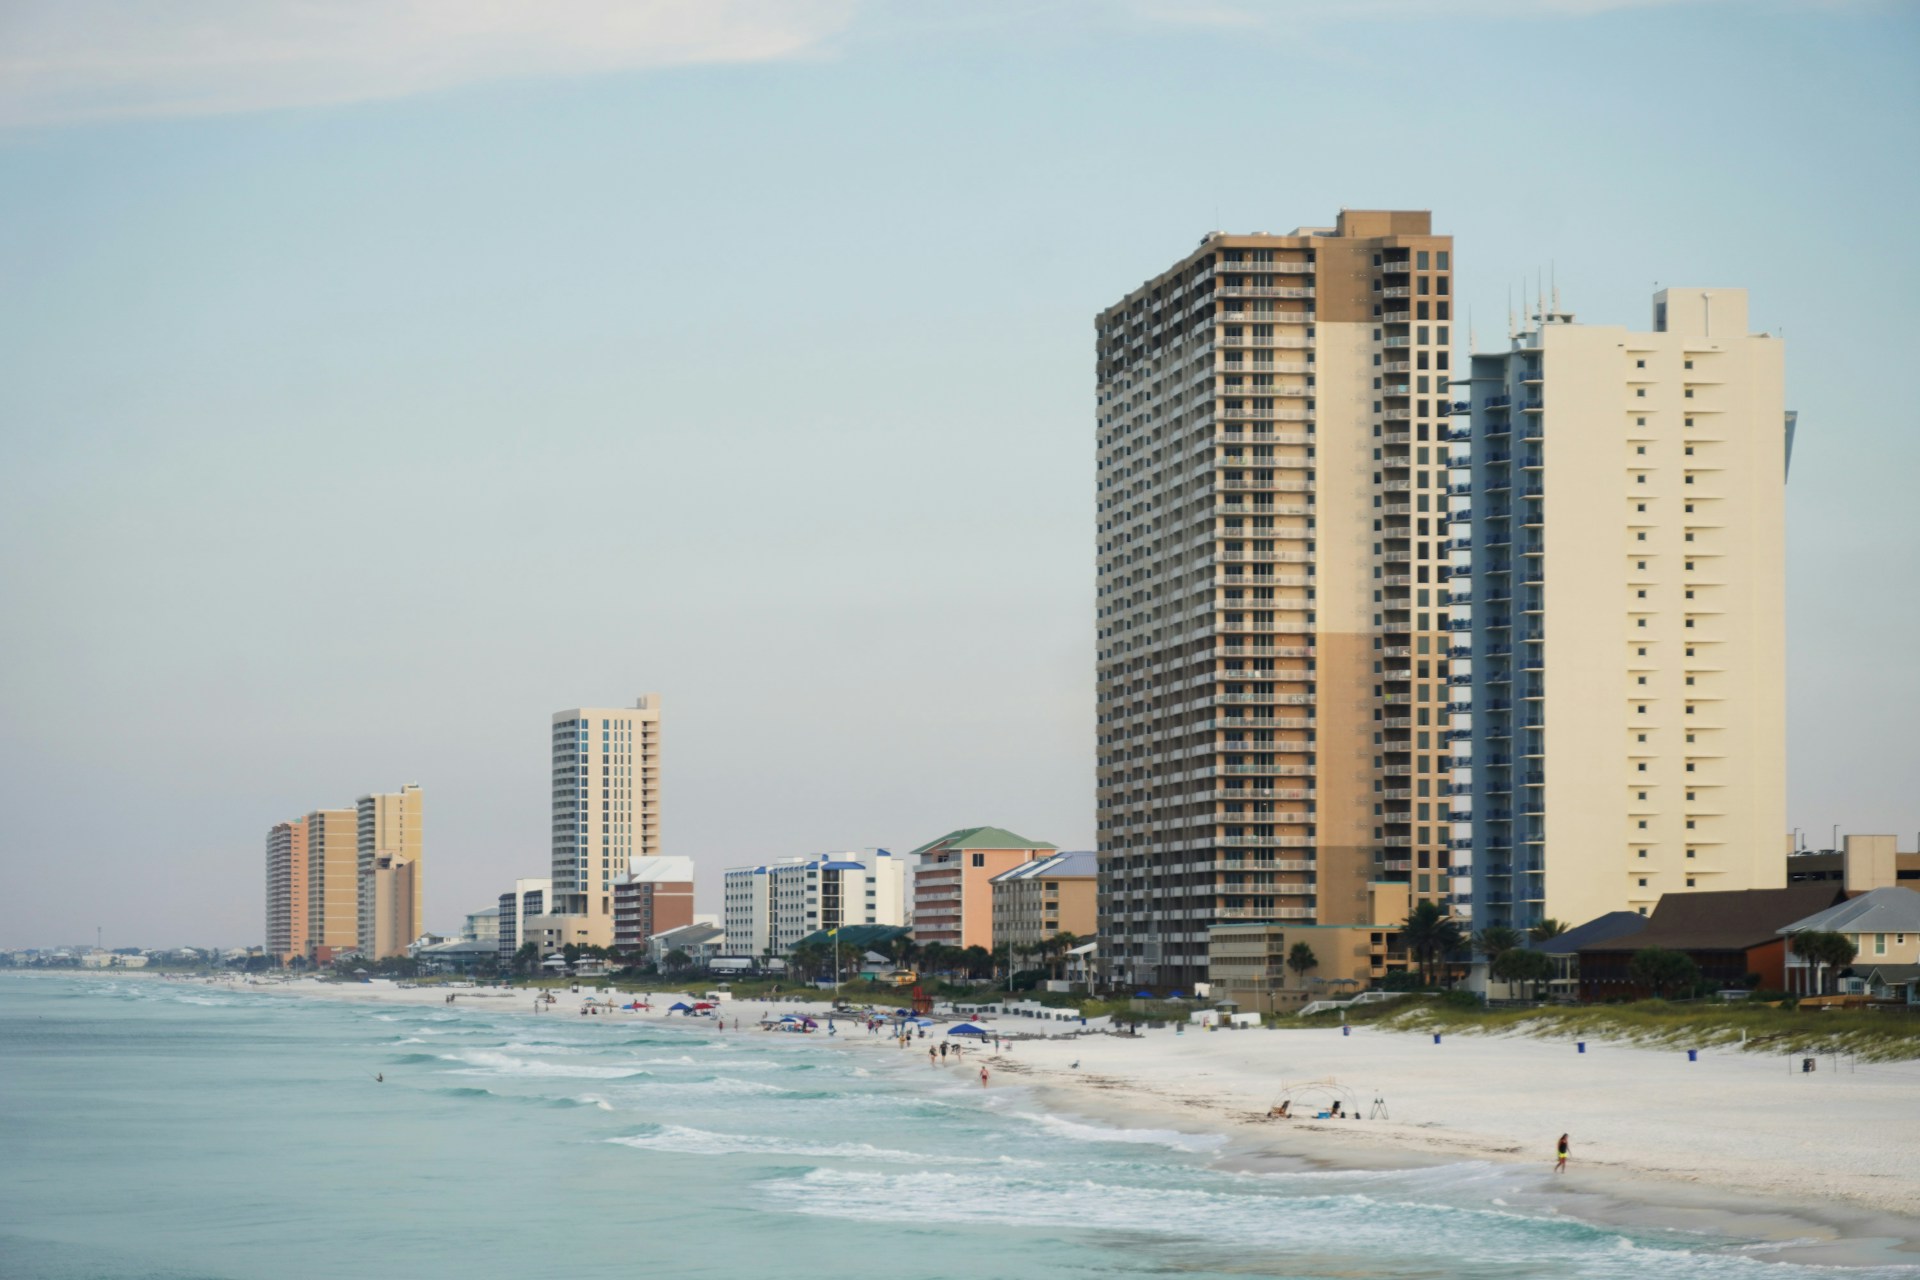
x=1560 y=1165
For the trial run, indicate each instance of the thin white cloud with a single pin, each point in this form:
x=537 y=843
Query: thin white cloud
x=1245 y=13
x=72 y=60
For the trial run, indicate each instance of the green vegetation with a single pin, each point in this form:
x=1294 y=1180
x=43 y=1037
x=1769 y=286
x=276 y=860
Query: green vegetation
x=1875 y=1035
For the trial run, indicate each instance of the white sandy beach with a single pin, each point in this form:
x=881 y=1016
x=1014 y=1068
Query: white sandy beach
x=1643 y=1123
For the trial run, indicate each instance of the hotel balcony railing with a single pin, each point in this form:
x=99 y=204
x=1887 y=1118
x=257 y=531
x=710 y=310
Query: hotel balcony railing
x=1263 y=913
x=1263 y=291
x=1397 y=317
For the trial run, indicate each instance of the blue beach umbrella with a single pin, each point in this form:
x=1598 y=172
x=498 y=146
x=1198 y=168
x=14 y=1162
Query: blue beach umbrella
x=679 y=1006
x=966 y=1029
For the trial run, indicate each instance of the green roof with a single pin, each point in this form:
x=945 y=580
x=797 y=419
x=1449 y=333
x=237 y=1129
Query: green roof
x=857 y=937
x=982 y=838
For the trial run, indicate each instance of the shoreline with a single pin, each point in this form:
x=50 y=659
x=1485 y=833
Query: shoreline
x=1653 y=1148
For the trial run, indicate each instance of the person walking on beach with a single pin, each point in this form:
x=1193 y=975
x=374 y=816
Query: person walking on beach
x=1560 y=1165
x=983 y=1075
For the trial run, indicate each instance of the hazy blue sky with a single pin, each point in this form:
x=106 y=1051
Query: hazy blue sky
x=375 y=383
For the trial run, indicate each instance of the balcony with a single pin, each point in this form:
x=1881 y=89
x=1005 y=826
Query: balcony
x=1263 y=913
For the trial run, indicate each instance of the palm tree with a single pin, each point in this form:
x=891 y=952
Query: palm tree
x=676 y=960
x=1430 y=934
x=1819 y=950
x=1518 y=964
x=1057 y=947
x=1547 y=928
x=1302 y=961
x=1495 y=940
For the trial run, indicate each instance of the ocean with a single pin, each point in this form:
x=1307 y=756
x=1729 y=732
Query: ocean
x=171 y=1131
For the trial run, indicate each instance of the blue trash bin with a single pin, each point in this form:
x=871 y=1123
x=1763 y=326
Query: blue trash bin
x=1346 y=1030
x=1436 y=1037
x=1693 y=1055
x=1583 y=1046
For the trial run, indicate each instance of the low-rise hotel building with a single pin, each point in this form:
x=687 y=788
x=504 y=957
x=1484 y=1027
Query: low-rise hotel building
x=953 y=883
x=656 y=895
x=1040 y=899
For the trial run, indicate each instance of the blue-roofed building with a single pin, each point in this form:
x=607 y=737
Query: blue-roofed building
x=770 y=906
x=1037 y=900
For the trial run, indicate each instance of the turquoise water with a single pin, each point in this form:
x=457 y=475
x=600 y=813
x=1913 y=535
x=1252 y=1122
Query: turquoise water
x=170 y=1131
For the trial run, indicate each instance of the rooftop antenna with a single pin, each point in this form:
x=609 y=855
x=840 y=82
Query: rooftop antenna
x=1553 y=274
x=1511 y=332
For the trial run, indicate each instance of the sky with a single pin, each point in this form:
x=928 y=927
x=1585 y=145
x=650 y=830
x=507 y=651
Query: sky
x=377 y=379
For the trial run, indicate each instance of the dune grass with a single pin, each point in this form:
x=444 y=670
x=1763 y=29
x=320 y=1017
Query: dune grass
x=1871 y=1035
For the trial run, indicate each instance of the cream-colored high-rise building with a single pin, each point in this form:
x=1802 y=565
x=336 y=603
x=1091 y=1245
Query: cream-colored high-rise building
x=606 y=809
x=287 y=890
x=1621 y=514
x=333 y=879
x=1271 y=529
x=389 y=845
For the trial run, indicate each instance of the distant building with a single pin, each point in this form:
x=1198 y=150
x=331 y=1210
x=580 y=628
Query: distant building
x=952 y=883
x=287 y=890
x=655 y=895
x=457 y=955
x=606 y=807
x=770 y=906
x=1732 y=936
x=393 y=895
x=700 y=943
x=1884 y=926
x=1047 y=896
x=1863 y=862
x=1247 y=964
x=1622 y=503
x=482 y=926
x=526 y=898
x=333 y=879
x=389 y=843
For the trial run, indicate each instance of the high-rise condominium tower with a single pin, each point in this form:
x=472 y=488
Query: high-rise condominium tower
x=391 y=889
x=1627 y=631
x=1271 y=608
x=287 y=890
x=606 y=806
x=333 y=878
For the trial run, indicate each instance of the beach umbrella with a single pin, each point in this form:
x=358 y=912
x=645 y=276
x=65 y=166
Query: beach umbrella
x=921 y=1022
x=679 y=1006
x=1178 y=995
x=1143 y=995
x=966 y=1029
x=702 y=1004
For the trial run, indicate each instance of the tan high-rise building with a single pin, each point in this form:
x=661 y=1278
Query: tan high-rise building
x=287 y=890
x=388 y=846
x=1271 y=602
x=606 y=808
x=333 y=879
x=1622 y=502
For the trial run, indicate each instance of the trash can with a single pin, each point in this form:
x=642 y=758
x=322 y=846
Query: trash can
x=1436 y=1037
x=1582 y=1045
x=1346 y=1030
x=1693 y=1055
x=1806 y=1064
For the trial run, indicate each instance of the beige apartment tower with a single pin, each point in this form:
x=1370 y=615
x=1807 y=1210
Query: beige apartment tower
x=388 y=847
x=287 y=890
x=1271 y=633
x=333 y=878
x=1621 y=502
x=606 y=809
